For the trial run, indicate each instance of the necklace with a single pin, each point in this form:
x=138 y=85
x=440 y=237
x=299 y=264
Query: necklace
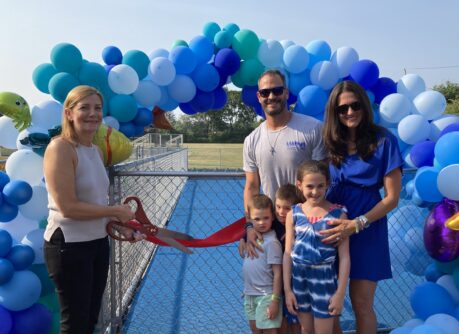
x=273 y=146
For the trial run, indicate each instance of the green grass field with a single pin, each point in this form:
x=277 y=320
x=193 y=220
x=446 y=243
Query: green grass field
x=214 y=156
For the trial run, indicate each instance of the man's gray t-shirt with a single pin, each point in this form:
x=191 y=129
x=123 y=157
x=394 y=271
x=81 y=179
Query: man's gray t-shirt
x=300 y=140
x=258 y=273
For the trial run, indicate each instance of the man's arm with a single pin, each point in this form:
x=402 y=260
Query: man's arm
x=252 y=188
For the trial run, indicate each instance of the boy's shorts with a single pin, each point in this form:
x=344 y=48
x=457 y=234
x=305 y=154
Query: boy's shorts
x=255 y=309
x=314 y=293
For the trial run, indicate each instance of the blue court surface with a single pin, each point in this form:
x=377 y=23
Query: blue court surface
x=201 y=293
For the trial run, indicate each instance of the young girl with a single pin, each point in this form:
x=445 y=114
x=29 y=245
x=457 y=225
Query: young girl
x=310 y=284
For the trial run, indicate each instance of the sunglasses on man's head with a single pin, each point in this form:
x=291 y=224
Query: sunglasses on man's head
x=277 y=91
x=342 y=109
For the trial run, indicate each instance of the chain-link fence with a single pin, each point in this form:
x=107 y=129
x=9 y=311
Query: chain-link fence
x=160 y=290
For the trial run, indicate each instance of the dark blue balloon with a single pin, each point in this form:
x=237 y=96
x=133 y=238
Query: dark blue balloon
x=383 y=87
x=143 y=117
x=4 y=179
x=6 y=241
x=365 y=72
x=187 y=108
x=128 y=129
x=108 y=68
x=220 y=98
x=6 y=271
x=249 y=95
x=8 y=212
x=112 y=55
x=422 y=153
x=21 y=256
x=202 y=101
x=259 y=111
x=17 y=192
x=227 y=61
x=36 y=319
x=291 y=99
x=6 y=321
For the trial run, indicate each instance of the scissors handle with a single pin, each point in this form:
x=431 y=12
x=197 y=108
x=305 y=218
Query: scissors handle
x=114 y=232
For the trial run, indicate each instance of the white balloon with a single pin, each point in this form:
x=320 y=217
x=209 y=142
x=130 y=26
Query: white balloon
x=123 y=79
x=8 y=133
x=19 y=227
x=159 y=53
x=286 y=43
x=394 y=107
x=25 y=165
x=147 y=94
x=37 y=207
x=47 y=114
x=34 y=239
x=24 y=133
x=270 y=53
x=411 y=85
x=413 y=129
x=437 y=126
x=430 y=104
x=162 y=71
x=324 y=74
x=111 y=122
x=448 y=182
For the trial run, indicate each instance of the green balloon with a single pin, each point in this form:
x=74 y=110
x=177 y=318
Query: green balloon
x=246 y=43
x=251 y=70
x=50 y=301
x=42 y=224
x=179 y=42
x=447 y=267
x=56 y=326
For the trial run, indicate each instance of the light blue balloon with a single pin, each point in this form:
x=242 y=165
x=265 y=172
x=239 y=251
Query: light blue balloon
x=324 y=74
x=311 y=101
x=296 y=59
x=447 y=149
x=444 y=322
x=159 y=53
x=430 y=104
x=318 y=50
x=270 y=53
x=344 y=58
x=182 y=89
x=401 y=330
x=93 y=74
x=162 y=71
x=210 y=30
x=138 y=60
x=61 y=84
x=147 y=93
x=203 y=48
x=205 y=77
x=41 y=76
x=394 y=107
x=21 y=292
x=429 y=298
x=297 y=81
x=66 y=58
x=425 y=183
x=184 y=59
x=123 y=107
x=426 y=329
x=411 y=85
x=413 y=323
x=413 y=129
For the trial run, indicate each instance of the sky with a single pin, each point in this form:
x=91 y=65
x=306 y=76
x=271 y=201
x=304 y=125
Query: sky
x=412 y=36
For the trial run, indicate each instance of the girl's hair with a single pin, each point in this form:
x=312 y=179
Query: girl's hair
x=73 y=97
x=288 y=192
x=260 y=201
x=335 y=134
x=313 y=167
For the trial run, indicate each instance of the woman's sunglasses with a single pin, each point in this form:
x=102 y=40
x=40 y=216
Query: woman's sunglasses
x=277 y=91
x=342 y=109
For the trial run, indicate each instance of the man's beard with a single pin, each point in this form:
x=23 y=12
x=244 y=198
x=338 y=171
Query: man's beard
x=274 y=112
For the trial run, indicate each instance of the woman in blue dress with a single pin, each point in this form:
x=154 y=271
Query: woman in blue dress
x=363 y=158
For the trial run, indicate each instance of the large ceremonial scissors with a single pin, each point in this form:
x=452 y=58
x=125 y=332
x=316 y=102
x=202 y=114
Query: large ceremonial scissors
x=143 y=225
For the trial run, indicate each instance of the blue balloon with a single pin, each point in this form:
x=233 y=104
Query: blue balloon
x=447 y=149
x=112 y=55
x=41 y=76
x=21 y=292
x=203 y=48
x=139 y=61
x=36 y=319
x=450 y=128
x=296 y=59
x=17 y=192
x=365 y=73
x=259 y=111
x=93 y=74
x=6 y=270
x=426 y=329
x=422 y=153
x=182 y=89
x=203 y=101
x=61 y=84
x=184 y=59
x=297 y=81
x=425 y=183
x=21 y=256
x=128 y=129
x=8 y=212
x=6 y=241
x=47 y=285
x=429 y=298
x=249 y=95
x=123 y=107
x=4 y=179
x=432 y=273
x=318 y=50
x=311 y=100
x=205 y=77
x=401 y=330
x=186 y=108
x=143 y=117
x=66 y=58
x=6 y=321
x=220 y=98
x=227 y=61
x=383 y=87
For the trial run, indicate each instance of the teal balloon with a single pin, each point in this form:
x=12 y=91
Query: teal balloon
x=251 y=69
x=178 y=42
x=210 y=30
x=66 y=58
x=61 y=84
x=41 y=76
x=447 y=267
x=47 y=285
x=123 y=107
x=231 y=28
x=246 y=43
x=236 y=79
x=93 y=74
x=223 y=39
x=138 y=60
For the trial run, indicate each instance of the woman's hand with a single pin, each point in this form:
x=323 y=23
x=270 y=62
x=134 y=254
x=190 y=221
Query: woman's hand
x=123 y=213
x=131 y=234
x=242 y=247
x=290 y=301
x=253 y=246
x=343 y=228
x=336 y=305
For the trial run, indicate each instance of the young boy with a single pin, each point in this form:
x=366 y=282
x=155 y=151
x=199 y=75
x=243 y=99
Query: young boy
x=263 y=275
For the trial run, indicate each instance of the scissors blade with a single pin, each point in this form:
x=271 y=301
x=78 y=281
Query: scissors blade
x=162 y=232
x=174 y=243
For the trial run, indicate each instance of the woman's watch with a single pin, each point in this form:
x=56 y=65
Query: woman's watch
x=363 y=221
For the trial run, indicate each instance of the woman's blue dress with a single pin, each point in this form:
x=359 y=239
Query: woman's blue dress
x=356 y=184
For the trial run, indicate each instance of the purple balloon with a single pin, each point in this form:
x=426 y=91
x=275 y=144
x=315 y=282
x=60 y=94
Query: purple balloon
x=450 y=128
x=441 y=243
x=422 y=154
